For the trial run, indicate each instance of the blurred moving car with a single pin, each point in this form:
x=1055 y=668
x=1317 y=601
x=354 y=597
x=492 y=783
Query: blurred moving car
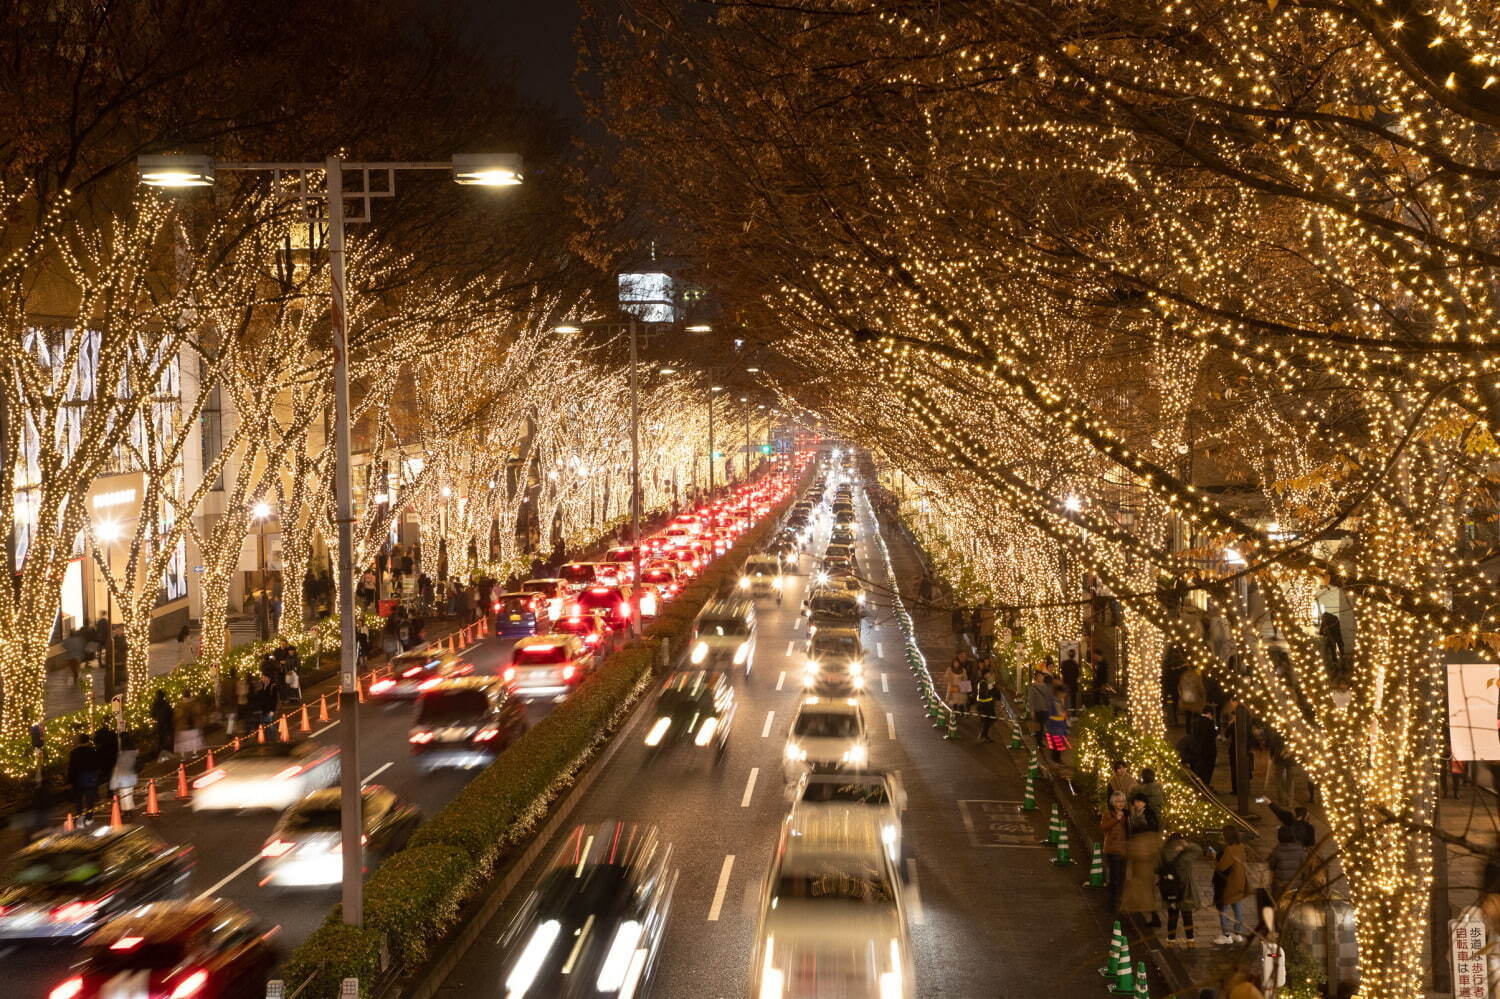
x=724 y=634
x=548 y=665
x=593 y=925
x=552 y=592
x=694 y=706
x=833 y=922
x=828 y=731
x=519 y=614
x=832 y=608
x=835 y=665
x=829 y=798
x=415 y=671
x=267 y=776
x=465 y=723
x=761 y=576
x=203 y=949
x=305 y=849
x=66 y=884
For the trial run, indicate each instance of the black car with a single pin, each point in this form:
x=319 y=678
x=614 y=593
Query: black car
x=593 y=925
x=203 y=949
x=67 y=884
x=465 y=722
x=694 y=707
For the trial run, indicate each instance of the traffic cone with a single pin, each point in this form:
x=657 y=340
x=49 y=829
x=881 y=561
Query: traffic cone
x=68 y=825
x=1015 y=736
x=1029 y=803
x=1142 y=990
x=116 y=820
x=1064 y=857
x=359 y=688
x=1054 y=827
x=1116 y=941
x=153 y=807
x=283 y=732
x=208 y=761
x=304 y=724
x=183 y=794
x=260 y=735
x=1124 y=984
x=1035 y=770
x=234 y=747
x=322 y=707
x=1096 y=868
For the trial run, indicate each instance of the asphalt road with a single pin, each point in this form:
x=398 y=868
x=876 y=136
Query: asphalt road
x=990 y=916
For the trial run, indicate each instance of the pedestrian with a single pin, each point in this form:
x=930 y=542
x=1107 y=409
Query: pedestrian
x=241 y=698
x=1179 y=889
x=1142 y=860
x=107 y=745
x=1101 y=678
x=1192 y=694
x=182 y=643
x=1155 y=797
x=1278 y=781
x=1296 y=820
x=293 y=683
x=1113 y=824
x=73 y=653
x=955 y=680
x=960 y=625
x=123 y=777
x=1121 y=780
x=83 y=778
x=1332 y=635
x=924 y=589
x=1203 y=747
x=1056 y=725
x=1285 y=861
x=1231 y=889
x=1070 y=671
x=189 y=739
x=984 y=703
x=1039 y=704
x=161 y=715
x=119 y=655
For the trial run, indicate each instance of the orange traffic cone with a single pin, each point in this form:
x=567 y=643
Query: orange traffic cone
x=260 y=735
x=282 y=732
x=234 y=747
x=116 y=820
x=304 y=724
x=359 y=688
x=153 y=807
x=208 y=764
x=183 y=794
x=322 y=707
x=68 y=825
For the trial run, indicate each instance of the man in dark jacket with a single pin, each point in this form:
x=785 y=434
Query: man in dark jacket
x=83 y=777
x=107 y=745
x=984 y=703
x=1203 y=747
x=1069 y=671
x=1296 y=820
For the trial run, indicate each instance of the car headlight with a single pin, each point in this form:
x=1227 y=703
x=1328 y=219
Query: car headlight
x=855 y=755
x=861 y=598
x=744 y=582
x=742 y=653
x=658 y=730
x=856 y=668
x=795 y=752
x=809 y=678
x=700 y=652
x=776 y=582
x=706 y=731
x=858 y=682
x=529 y=964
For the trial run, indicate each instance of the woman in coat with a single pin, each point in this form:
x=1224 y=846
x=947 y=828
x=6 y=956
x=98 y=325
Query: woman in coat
x=1179 y=890
x=1285 y=861
x=1231 y=889
x=123 y=779
x=1113 y=824
x=953 y=690
x=1142 y=858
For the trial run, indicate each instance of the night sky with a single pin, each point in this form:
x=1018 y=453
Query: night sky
x=536 y=36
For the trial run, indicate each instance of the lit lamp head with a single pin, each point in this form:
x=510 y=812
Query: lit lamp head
x=176 y=170
x=487 y=169
x=261 y=510
x=107 y=531
x=699 y=328
x=567 y=329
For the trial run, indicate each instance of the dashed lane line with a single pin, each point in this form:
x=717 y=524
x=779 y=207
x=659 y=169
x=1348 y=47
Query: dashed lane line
x=750 y=785
x=765 y=730
x=890 y=725
x=722 y=890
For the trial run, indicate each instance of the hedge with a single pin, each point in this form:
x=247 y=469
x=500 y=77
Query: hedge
x=1101 y=736
x=416 y=895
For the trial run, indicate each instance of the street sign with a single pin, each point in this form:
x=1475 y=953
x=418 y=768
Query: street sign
x=1470 y=980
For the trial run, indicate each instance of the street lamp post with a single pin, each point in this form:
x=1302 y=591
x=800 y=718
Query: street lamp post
x=177 y=170
x=261 y=512
x=109 y=533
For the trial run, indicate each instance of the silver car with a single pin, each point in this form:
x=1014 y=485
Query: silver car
x=271 y=776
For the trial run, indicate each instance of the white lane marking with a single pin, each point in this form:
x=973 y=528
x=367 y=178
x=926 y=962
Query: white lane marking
x=765 y=729
x=750 y=785
x=879 y=651
x=797 y=626
x=320 y=731
x=780 y=679
x=790 y=646
x=464 y=652
x=722 y=890
x=890 y=725
x=377 y=772
x=918 y=916
x=228 y=878
x=885 y=686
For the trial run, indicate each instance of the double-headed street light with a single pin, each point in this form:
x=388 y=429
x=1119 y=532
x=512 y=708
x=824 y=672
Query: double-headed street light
x=179 y=170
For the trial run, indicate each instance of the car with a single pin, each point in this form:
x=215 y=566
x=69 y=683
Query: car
x=577 y=575
x=841 y=536
x=68 y=883
x=683 y=561
x=837 y=564
x=305 y=849
x=200 y=949
x=786 y=554
x=613 y=573
x=761 y=576
x=828 y=607
x=594 y=923
x=610 y=603
x=663 y=577
x=518 y=614
x=552 y=591
x=548 y=665
x=587 y=628
x=841 y=584
x=832 y=919
x=826 y=730
x=724 y=634
x=465 y=723
x=825 y=799
x=694 y=706
x=415 y=670
x=621 y=553
x=272 y=775
x=847 y=518
x=837 y=549
x=835 y=665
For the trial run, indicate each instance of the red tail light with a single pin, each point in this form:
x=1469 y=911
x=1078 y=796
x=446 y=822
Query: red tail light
x=429 y=683
x=191 y=985
x=486 y=734
x=382 y=685
x=496 y=608
x=67 y=990
x=413 y=671
x=568 y=671
x=419 y=738
x=75 y=912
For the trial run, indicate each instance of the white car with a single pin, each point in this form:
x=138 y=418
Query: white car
x=273 y=775
x=835 y=665
x=833 y=921
x=825 y=801
x=827 y=731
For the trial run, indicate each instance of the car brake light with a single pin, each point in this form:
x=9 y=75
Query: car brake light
x=591 y=639
x=191 y=985
x=509 y=674
x=381 y=685
x=75 y=911
x=68 y=989
x=568 y=671
x=276 y=848
x=288 y=773
x=599 y=589
x=127 y=943
x=486 y=734
x=497 y=608
x=209 y=779
x=419 y=738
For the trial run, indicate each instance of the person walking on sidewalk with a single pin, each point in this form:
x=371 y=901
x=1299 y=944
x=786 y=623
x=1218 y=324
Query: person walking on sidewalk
x=1231 y=889
x=1285 y=861
x=1039 y=704
x=1112 y=824
x=984 y=703
x=1070 y=672
x=1156 y=798
x=123 y=779
x=1056 y=725
x=83 y=777
x=1142 y=860
x=955 y=680
x=1179 y=890
x=161 y=714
